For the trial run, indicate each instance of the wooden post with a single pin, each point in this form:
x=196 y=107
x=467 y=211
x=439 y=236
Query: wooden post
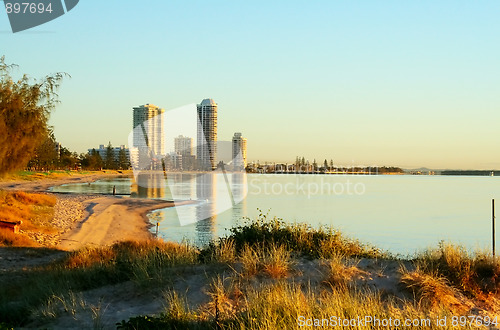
x=157 y=228
x=493 y=225
x=114 y=190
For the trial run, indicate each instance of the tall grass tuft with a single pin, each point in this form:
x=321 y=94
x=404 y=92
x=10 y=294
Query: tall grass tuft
x=249 y=260
x=222 y=251
x=8 y=238
x=432 y=290
x=474 y=274
x=339 y=275
x=274 y=260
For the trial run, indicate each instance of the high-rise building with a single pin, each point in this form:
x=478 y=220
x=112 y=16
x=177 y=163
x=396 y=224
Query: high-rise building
x=183 y=145
x=149 y=138
x=206 y=149
x=239 y=151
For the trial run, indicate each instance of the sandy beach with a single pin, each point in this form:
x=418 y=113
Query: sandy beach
x=92 y=220
x=111 y=219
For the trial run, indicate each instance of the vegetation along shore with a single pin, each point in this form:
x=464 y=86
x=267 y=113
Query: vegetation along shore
x=266 y=274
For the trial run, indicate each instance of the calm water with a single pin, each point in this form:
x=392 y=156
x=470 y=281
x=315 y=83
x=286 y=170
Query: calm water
x=403 y=214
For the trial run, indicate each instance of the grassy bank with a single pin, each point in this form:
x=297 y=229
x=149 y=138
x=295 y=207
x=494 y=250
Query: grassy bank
x=55 y=174
x=265 y=275
x=34 y=210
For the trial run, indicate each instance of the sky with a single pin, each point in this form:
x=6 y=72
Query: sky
x=399 y=83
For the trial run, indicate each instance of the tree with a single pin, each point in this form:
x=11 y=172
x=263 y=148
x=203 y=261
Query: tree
x=67 y=159
x=123 y=161
x=25 y=107
x=92 y=160
x=110 y=163
x=46 y=156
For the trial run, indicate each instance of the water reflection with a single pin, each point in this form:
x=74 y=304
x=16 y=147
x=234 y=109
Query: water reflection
x=239 y=189
x=104 y=186
x=206 y=193
x=400 y=213
x=149 y=185
x=215 y=193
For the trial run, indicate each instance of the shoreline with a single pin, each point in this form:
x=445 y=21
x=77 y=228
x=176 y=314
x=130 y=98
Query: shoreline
x=43 y=184
x=111 y=219
x=92 y=220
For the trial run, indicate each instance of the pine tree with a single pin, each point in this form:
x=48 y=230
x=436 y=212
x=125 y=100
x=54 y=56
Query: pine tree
x=123 y=161
x=110 y=162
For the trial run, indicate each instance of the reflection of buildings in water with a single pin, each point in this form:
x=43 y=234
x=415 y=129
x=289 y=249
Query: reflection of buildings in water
x=149 y=185
x=182 y=186
x=239 y=192
x=206 y=212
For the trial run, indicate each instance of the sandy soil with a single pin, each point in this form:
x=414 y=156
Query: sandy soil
x=111 y=219
x=92 y=220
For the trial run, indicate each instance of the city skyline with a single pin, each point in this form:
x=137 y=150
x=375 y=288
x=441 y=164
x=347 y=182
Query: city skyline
x=399 y=84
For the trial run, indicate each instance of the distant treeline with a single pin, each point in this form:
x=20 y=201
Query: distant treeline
x=390 y=169
x=470 y=172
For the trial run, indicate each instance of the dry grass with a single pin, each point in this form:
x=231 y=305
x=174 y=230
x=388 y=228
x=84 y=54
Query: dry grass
x=223 y=251
x=8 y=238
x=340 y=275
x=249 y=260
x=474 y=274
x=34 y=210
x=57 y=174
x=274 y=261
x=431 y=290
x=284 y=305
x=225 y=298
x=154 y=252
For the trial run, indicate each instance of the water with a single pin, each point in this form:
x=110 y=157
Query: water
x=402 y=214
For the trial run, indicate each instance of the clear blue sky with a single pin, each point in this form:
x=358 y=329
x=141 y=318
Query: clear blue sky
x=367 y=82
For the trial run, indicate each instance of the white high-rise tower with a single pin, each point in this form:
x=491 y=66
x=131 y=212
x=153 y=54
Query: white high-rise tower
x=239 y=151
x=149 y=138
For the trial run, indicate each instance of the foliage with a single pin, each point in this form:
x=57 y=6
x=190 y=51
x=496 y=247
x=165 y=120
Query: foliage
x=46 y=155
x=298 y=238
x=25 y=107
